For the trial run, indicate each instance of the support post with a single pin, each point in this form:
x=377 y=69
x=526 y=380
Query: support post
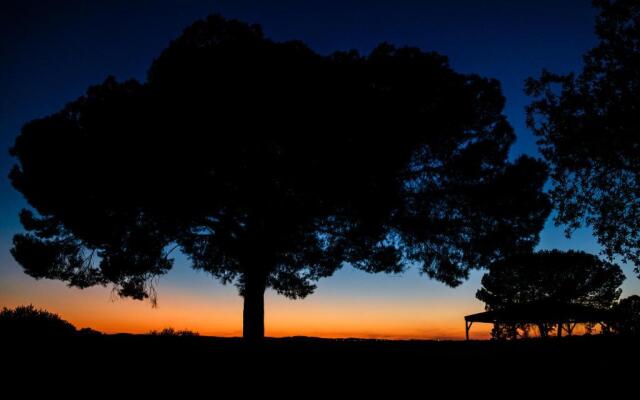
x=560 y=329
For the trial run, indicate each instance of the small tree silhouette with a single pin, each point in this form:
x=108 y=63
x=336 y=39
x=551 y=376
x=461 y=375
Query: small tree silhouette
x=549 y=277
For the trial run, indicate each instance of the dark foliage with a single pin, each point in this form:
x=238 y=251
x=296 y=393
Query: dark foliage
x=269 y=165
x=89 y=332
x=173 y=333
x=629 y=311
x=589 y=130
x=28 y=321
x=549 y=277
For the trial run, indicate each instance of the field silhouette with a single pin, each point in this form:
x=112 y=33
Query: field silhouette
x=379 y=362
x=85 y=359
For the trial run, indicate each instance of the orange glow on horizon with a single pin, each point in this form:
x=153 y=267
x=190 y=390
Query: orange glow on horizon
x=221 y=313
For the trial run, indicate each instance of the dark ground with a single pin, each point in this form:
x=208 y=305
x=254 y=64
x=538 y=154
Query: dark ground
x=577 y=364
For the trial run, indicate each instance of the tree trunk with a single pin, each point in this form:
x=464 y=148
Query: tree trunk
x=253 y=312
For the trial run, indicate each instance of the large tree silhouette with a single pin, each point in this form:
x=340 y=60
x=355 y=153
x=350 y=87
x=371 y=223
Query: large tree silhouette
x=550 y=277
x=589 y=130
x=271 y=166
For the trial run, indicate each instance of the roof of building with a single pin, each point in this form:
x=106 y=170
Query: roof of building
x=544 y=312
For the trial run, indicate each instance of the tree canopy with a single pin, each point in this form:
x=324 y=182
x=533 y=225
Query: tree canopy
x=629 y=312
x=551 y=276
x=271 y=166
x=588 y=126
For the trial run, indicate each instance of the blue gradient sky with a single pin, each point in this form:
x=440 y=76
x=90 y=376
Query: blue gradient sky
x=50 y=53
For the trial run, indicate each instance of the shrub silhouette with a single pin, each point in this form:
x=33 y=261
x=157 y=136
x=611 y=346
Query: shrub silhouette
x=29 y=321
x=89 y=332
x=172 y=332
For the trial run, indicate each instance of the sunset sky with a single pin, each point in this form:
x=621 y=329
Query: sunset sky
x=49 y=54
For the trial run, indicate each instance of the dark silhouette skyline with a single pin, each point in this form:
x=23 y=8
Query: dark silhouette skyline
x=66 y=48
